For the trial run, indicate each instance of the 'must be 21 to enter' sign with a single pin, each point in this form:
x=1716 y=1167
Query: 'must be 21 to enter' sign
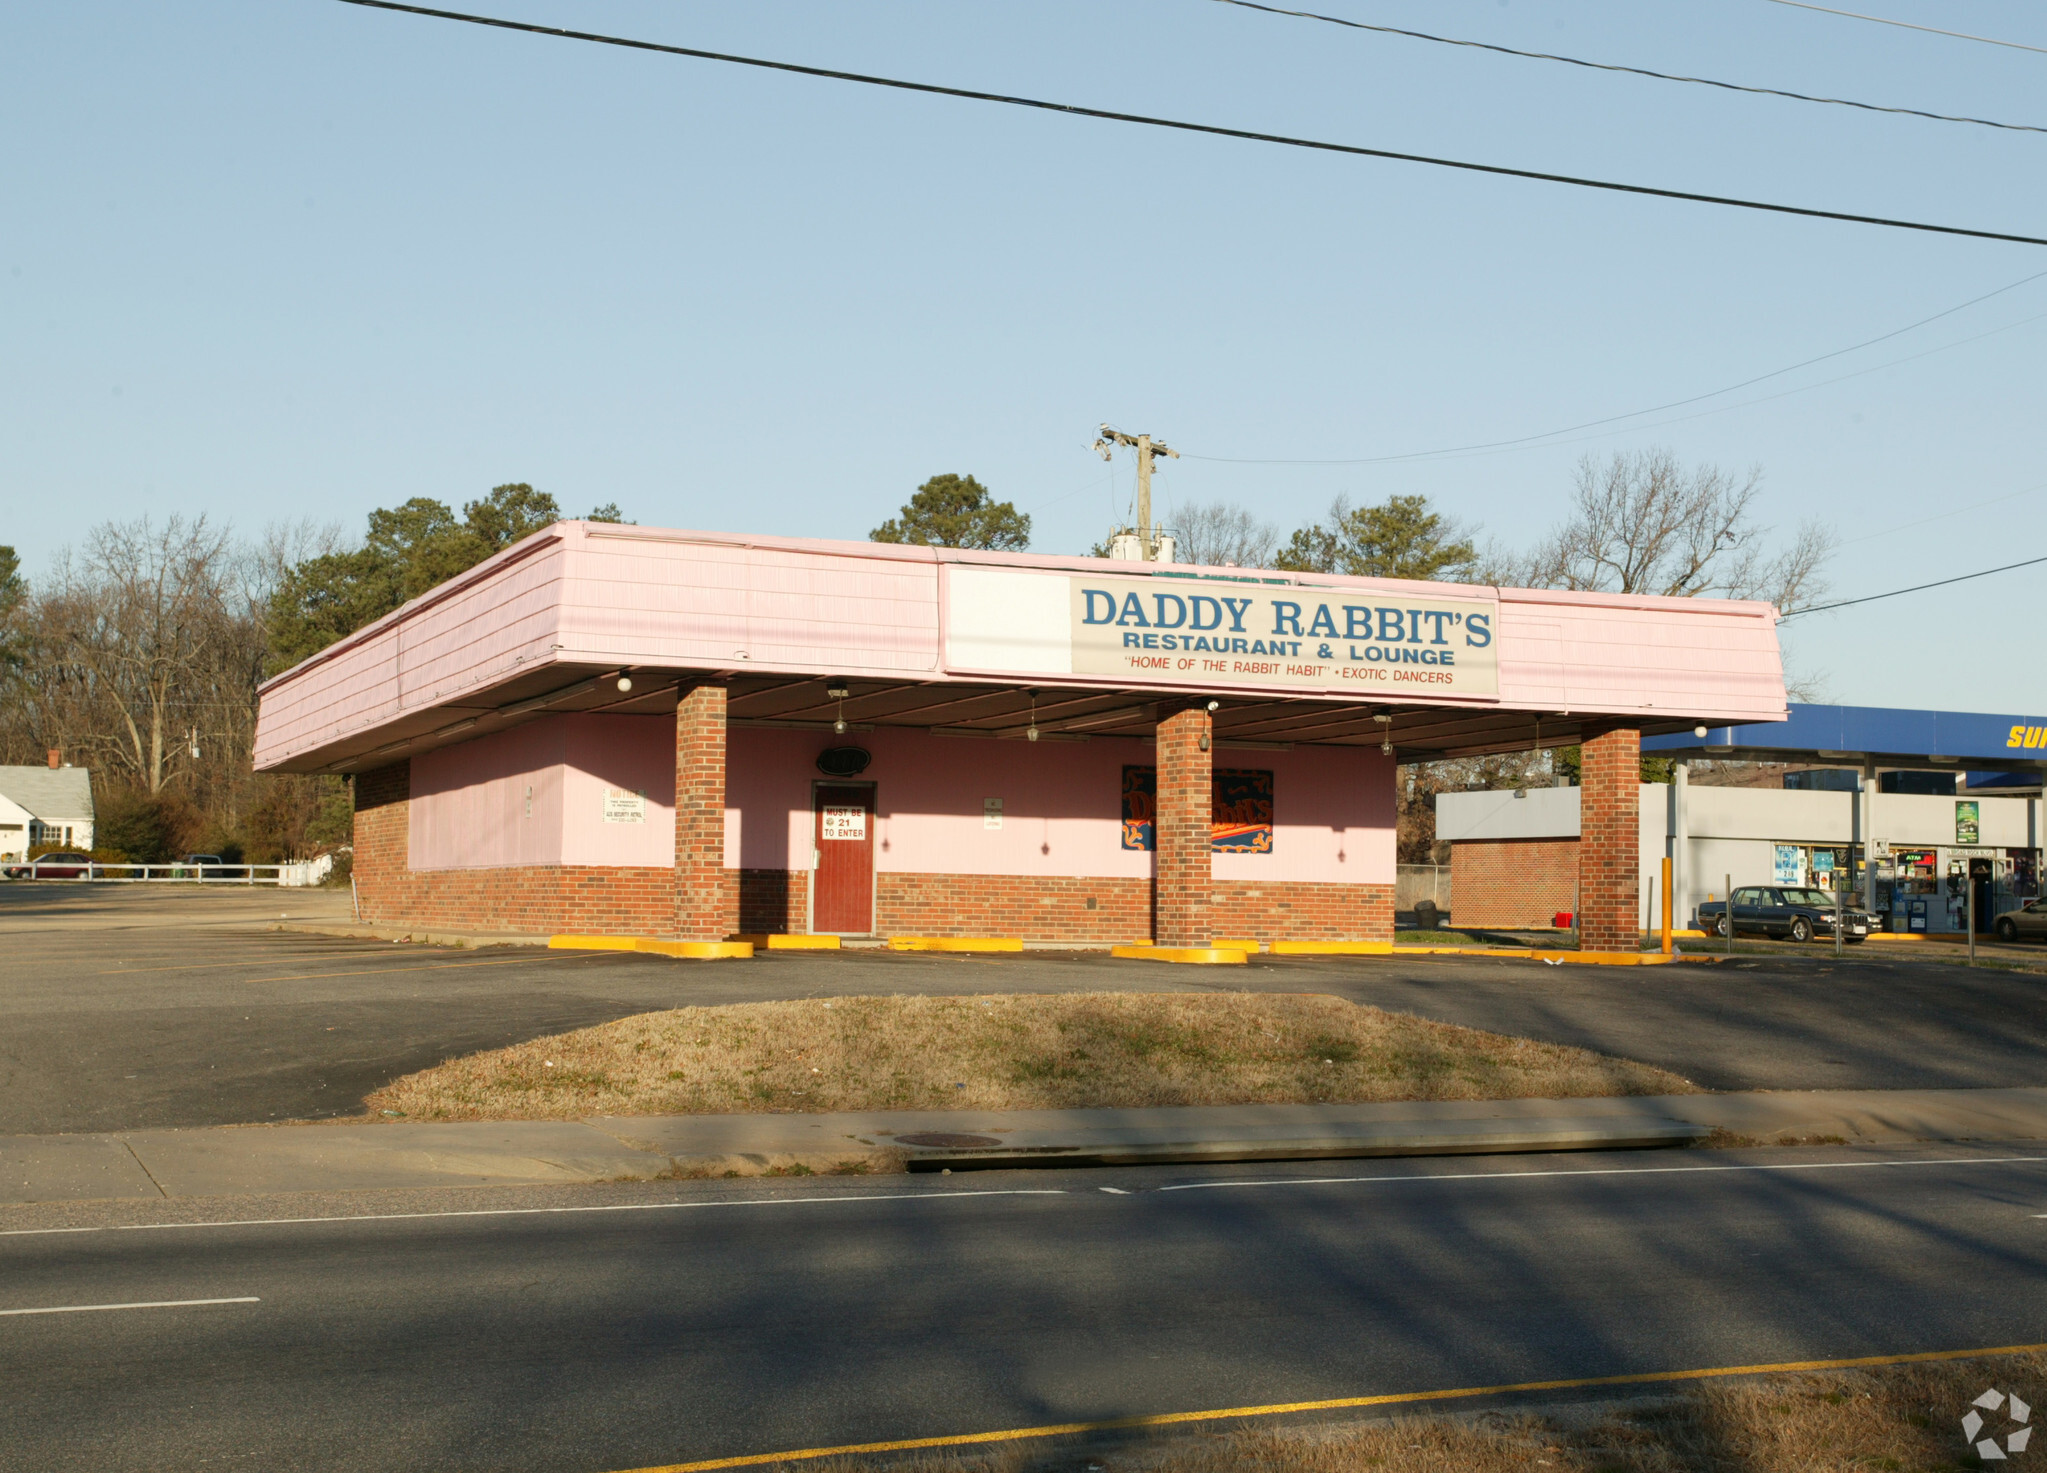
x=1220 y=633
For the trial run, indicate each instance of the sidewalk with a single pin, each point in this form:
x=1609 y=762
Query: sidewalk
x=354 y=1157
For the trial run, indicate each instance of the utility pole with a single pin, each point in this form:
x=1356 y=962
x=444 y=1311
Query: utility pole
x=1149 y=543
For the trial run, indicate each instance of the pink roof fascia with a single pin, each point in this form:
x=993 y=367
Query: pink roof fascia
x=584 y=594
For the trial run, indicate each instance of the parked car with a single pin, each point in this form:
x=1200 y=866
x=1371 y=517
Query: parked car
x=2029 y=919
x=205 y=866
x=1786 y=910
x=52 y=867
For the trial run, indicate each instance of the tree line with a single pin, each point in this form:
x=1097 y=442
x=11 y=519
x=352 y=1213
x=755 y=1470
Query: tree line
x=138 y=653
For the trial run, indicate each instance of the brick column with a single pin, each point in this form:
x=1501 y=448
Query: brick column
x=1180 y=883
x=1610 y=841
x=383 y=840
x=706 y=907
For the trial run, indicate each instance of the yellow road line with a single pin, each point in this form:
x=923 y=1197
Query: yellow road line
x=1170 y=1419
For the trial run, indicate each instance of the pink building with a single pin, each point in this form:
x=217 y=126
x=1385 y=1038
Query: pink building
x=689 y=734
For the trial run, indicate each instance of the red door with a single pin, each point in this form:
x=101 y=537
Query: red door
x=842 y=889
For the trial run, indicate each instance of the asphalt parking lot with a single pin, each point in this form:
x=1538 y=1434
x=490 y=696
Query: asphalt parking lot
x=126 y=1009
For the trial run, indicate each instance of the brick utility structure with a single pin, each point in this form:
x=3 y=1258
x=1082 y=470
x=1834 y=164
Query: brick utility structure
x=690 y=734
x=1610 y=837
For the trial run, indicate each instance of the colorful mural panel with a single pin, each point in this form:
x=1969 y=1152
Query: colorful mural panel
x=1240 y=816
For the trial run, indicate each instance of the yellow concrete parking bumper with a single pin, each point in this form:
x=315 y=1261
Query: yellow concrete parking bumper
x=1200 y=956
x=693 y=950
x=779 y=941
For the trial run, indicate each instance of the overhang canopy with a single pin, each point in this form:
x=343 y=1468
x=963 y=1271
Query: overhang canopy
x=983 y=644
x=1876 y=736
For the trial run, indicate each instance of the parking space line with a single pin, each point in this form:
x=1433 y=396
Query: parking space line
x=140 y=1304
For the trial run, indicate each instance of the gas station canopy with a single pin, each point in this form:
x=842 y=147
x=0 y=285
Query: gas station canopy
x=1876 y=736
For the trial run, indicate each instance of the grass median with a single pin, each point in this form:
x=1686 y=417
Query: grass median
x=1009 y=1052
x=1894 y=1417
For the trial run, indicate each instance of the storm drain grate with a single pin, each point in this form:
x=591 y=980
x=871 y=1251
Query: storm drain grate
x=946 y=1138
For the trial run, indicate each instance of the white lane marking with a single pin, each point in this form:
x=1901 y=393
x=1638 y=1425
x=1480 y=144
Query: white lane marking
x=143 y=1304
x=1323 y=1181
x=144 y=1227
x=1113 y=1191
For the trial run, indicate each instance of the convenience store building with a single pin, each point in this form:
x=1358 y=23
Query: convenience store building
x=1923 y=808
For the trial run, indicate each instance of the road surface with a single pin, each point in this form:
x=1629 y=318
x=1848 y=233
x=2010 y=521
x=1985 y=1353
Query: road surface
x=685 y=1321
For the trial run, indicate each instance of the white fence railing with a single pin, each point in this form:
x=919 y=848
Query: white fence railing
x=1414 y=883
x=297 y=873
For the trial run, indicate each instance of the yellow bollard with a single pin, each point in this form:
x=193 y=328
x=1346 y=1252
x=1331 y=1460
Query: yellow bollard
x=1667 y=906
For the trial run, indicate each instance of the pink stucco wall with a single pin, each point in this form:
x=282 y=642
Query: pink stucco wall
x=469 y=802
x=1333 y=816
x=1062 y=803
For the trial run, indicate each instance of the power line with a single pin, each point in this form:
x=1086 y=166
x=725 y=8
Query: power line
x=1634 y=71
x=1931 y=30
x=1212 y=129
x=1947 y=514
x=1916 y=588
x=1653 y=409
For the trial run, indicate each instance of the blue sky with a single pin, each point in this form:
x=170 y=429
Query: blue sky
x=297 y=259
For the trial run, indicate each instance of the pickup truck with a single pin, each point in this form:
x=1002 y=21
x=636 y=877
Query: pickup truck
x=1786 y=910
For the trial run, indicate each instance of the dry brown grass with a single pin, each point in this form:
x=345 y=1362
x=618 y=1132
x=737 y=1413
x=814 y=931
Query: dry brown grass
x=1894 y=1419
x=1005 y=1053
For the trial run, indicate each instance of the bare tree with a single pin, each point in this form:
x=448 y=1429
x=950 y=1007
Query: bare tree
x=1217 y=535
x=145 y=647
x=1642 y=523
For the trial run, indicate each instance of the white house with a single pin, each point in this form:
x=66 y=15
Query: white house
x=14 y=826
x=45 y=805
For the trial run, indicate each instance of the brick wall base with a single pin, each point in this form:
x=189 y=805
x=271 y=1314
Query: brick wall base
x=549 y=899
x=1282 y=910
x=774 y=901
x=1512 y=883
x=1037 y=908
x=536 y=900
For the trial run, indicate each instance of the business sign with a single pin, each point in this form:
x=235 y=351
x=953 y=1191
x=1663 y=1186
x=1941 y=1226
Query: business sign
x=622 y=805
x=1220 y=632
x=1215 y=633
x=2025 y=738
x=1789 y=865
x=1968 y=821
x=844 y=822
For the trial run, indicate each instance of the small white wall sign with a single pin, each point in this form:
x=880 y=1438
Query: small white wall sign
x=845 y=823
x=991 y=813
x=622 y=805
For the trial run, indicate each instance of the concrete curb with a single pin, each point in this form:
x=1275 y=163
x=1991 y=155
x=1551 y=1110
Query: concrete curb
x=234 y=1160
x=954 y=1151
